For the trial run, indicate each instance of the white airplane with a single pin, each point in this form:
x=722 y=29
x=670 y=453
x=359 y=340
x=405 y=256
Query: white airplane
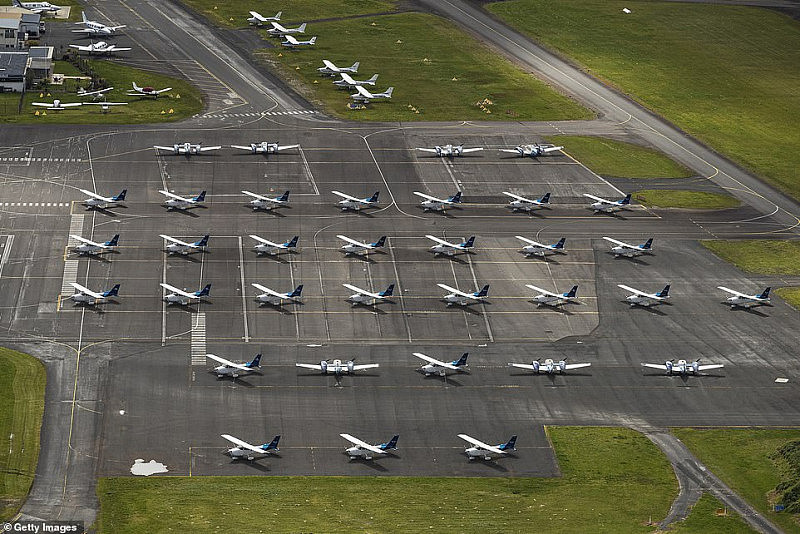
x=258 y=19
x=40 y=8
x=348 y=82
x=337 y=367
x=90 y=247
x=331 y=69
x=100 y=47
x=430 y=203
x=367 y=451
x=438 y=367
x=464 y=299
x=96 y=28
x=480 y=449
x=176 y=246
x=683 y=367
x=97 y=201
x=270 y=296
x=147 y=91
x=105 y=106
x=260 y=202
x=362 y=95
x=532 y=151
x=266 y=246
x=178 y=202
x=90 y=297
x=527 y=204
x=291 y=42
x=746 y=301
x=355 y=204
x=640 y=298
x=94 y=94
x=246 y=450
x=450 y=249
x=264 y=147
x=548 y=298
x=550 y=366
x=362 y=296
x=359 y=247
x=626 y=249
x=186 y=149
x=534 y=248
x=608 y=206
x=182 y=297
x=233 y=369
x=57 y=105
x=449 y=151
x=279 y=30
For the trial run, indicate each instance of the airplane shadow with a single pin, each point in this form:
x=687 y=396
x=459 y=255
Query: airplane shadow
x=371 y=307
x=613 y=215
x=543 y=259
x=634 y=260
x=254 y=464
x=558 y=309
x=274 y=257
x=105 y=211
x=281 y=308
x=445 y=380
x=272 y=212
x=362 y=257
x=751 y=311
x=372 y=464
x=650 y=309
x=491 y=464
x=185 y=212
x=95 y=257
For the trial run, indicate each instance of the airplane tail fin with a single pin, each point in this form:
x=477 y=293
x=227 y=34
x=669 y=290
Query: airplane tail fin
x=272 y=445
x=278 y=17
x=572 y=292
x=509 y=445
x=136 y=87
x=648 y=244
x=203 y=242
x=373 y=79
x=388 y=291
x=256 y=362
x=284 y=197
x=455 y=198
x=380 y=242
x=765 y=294
x=627 y=200
x=16 y=3
x=293 y=242
x=121 y=196
x=469 y=242
x=388 y=92
x=113 y=241
x=462 y=360
x=83 y=15
x=391 y=444
x=374 y=198
x=560 y=243
x=483 y=292
x=113 y=292
x=312 y=40
x=205 y=291
x=302 y=28
x=201 y=197
x=354 y=66
x=297 y=291
x=545 y=199
x=664 y=292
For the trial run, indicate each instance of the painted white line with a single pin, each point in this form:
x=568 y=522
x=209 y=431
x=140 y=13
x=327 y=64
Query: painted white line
x=6 y=251
x=244 y=295
x=310 y=174
x=198 y=350
x=71 y=266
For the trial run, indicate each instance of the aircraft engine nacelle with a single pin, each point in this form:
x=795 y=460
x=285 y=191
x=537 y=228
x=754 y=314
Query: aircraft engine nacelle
x=669 y=367
x=535 y=365
x=696 y=366
x=324 y=366
x=562 y=366
x=351 y=366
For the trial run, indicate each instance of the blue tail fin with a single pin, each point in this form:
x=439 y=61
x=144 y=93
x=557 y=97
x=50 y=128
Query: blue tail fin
x=373 y=198
x=272 y=445
x=203 y=292
x=388 y=291
x=664 y=292
x=647 y=244
x=545 y=199
x=560 y=243
x=391 y=444
x=201 y=197
x=626 y=200
x=572 y=292
x=256 y=362
x=121 y=196
x=380 y=242
x=113 y=241
x=113 y=292
x=483 y=292
x=293 y=242
x=284 y=197
x=203 y=242
x=469 y=242
x=765 y=294
x=455 y=198
x=509 y=446
x=462 y=360
x=297 y=291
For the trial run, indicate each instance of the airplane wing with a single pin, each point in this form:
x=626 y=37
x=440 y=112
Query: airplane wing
x=517 y=197
x=732 y=292
x=363 y=445
x=330 y=65
x=314 y=366
x=81 y=47
x=114 y=48
x=208 y=148
x=710 y=366
x=655 y=366
x=434 y=361
x=177 y=291
x=84 y=240
x=223 y=361
x=346 y=196
x=544 y=291
x=347 y=78
x=42 y=104
x=482 y=445
x=276 y=26
x=598 y=199
x=352 y=241
x=254 y=195
x=258 y=16
x=362 y=291
x=527 y=366
x=286 y=147
x=427 y=197
x=637 y=292
x=290 y=39
x=241 y=147
x=178 y=241
x=269 y=291
x=167 y=193
x=530 y=241
x=467 y=150
x=363 y=92
x=456 y=291
x=431 y=150
x=71 y=104
x=170 y=148
x=240 y=443
x=264 y=241
x=86 y=290
x=94 y=195
x=510 y=150
x=366 y=366
x=576 y=365
x=441 y=241
x=616 y=242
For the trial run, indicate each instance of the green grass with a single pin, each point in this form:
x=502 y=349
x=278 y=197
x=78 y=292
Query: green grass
x=726 y=74
x=22 y=380
x=678 y=198
x=704 y=519
x=594 y=495
x=622 y=160
x=741 y=458
x=761 y=256
x=790 y=294
x=439 y=73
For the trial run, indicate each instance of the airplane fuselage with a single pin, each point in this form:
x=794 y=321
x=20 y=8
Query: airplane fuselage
x=350 y=248
x=519 y=205
x=549 y=300
x=241 y=453
x=175 y=203
x=606 y=208
x=744 y=302
x=358 y=452
x=447 y=251
x=433 y=369
x=173 y=298
x=177 y=248
x=267 y=249
x=641 y=300
x=86 y=299
x=258 y=204
x=352 y=205
x=533 y=250
x=475 y=452
x=433 y=205
x=625 y=251
x=86 y=248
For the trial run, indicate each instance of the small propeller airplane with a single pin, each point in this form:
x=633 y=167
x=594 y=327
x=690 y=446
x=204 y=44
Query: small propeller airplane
x=481 y=450
x=608 y=206
x=356 y=204
x=532 y=151
x=100 y=47
x=366 y=451
x=278 y=30
x=430 y=203
x=330 y=69
x=274 y=298
x=186 y=149
x=266 y=246
x=527 y=204
x=743 y=300
x=88 y=246
x=57 y=105
x=291 y=42
x=182 y=297
x=450 y=249
x=87 y=296
x=105 y=105
x=348 y=82
x=40 y=8
x=176 y=246
x=233 y=369
x=548 y=298
x=83 y=93
x=101 y=202
x=550 y=366
x=258 y=19
x=534 y=248
x=438 y=367
x=640 y=298
x=264 y=147
x=260 y=202
x=146 y=91
x=181 y=203
x=464 y=299
x=94 y=28
x=368 y=298
x=248 y=451
x=450 y=151
x=362 y=95
x=682 y=367
x=337 y=367
x=626 y=249
x=359 y=247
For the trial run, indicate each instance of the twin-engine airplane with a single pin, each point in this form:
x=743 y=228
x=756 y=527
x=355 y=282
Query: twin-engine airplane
x=95 y=28
x=186 y=149
x=88 y=246
x=337 y=367
x=248 y=451
x=534 y=248
x=532 y=151
x=352 y=203
x=480 y=449
x=176 y=246
x=100 y=47
x=182 y=297
x=87 y=296
x=101 y=202
x=548 y=298
x=430 y=203
x=330 y=69
x=57 y=105
x=682 y=367
x=464 y=299
x=362 y=95
x=549 y=366
x=146 y=91
x=608 y=206
x=743 y=300
x=348 y=82
x=291 y=42
x=622 y=248
x=178 y=202
x=450 y=151
x=40 y=8
x=270 y=296
x=260 y=202
x=359 y=247
x=266 y=246
x=278 y=30
x=527 y=204
x=640 y=298
x=259 y=19
x=438 y=367
x=366 y=451
x=233 y=369
x=368 y=298
x=264 y=147
x=450 y=249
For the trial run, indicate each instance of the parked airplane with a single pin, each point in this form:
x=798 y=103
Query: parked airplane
x=625 y=249
x=437 y=204
x=259 y=19
x=608 y=206
x=105 y=105
x=438 y=367
x=362 y=95
x=527 y=204
x=57 y=105
x=100 y=47
x=90 y=297
x=367 y=451
x=362 y=296
x=182 y=297
x=264 y=147
x=683 y=367
x=640 y=298
x=480 y=449
x=534 y=248
x=746 y=301
x=355 y=204
x=279 y=30
x=450 y=249
x=260 y=202
x=532 y=151
x=348 y=82
x=97 y=201
x=233 y=369
x=548 y=298
x=186 y=149
x=178 y=202
x=337 y=367
x=550 y=366
x=176 y=246
x=268 y=247
x=449 y=151
x=90 y=247
x=94 y=94
x=464 y=299
x=291 y=42
x=270 y=296
x=40 y=8
x=359 y=247
x=246 y=450
x=96 y=28
x=146 y=91
x=331 y=69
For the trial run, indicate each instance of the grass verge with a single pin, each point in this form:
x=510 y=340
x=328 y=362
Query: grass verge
x=791 y=295
x=592 y=496
x=761 y=256
x=678 y=198
x=704 y=519
x=22 y=381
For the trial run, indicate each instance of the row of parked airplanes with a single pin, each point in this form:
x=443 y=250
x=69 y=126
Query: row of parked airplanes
x=136 y=90
x=347 y=82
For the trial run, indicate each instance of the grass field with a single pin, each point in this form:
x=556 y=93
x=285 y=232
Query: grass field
x=790 y=294
x=438 y=72
x=725 y=74
x=594 y=495
x=759 y=256
x=678 y=198
x=740 y=457
x=22 y=380
x=704 y=519
x=622 y=160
